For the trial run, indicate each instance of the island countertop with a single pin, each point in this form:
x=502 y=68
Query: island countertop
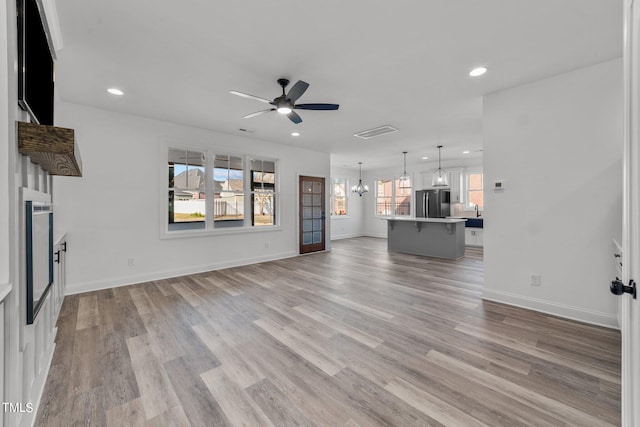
x=434 y=237
x=419 y=219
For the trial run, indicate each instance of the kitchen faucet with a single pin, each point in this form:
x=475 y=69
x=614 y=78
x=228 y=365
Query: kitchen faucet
x=477 y=211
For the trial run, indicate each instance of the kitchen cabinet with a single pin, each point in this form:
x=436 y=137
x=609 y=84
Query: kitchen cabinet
x=60 y=277
x=473 y=236
x=455 y=181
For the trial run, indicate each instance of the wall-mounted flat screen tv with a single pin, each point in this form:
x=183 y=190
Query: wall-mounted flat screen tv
x=35 y=62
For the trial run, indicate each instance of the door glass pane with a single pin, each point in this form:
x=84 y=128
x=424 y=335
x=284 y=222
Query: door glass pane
x=306 y=200
x=307 y=225
x=317 y=237
x=307 y=213
x=307 y=238
x=317 y=188
x=307 y=186
x=317 y=213
x=317 y=225
x=317 y=200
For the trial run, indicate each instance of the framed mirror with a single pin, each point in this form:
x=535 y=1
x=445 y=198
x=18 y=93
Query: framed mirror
x=39 y=255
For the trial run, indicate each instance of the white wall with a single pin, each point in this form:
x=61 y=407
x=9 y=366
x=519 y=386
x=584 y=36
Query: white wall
x=122 y=167
x=557 y=144
x=351 y=225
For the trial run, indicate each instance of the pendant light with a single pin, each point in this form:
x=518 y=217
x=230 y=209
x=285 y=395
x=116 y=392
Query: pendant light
x=404 y=181
x=440 y=178
x=360 y=188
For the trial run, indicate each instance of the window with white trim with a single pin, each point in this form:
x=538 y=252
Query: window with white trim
x=391 y=199
x=187 y=192
x=228 y=191
x=263 y=193
x=339 y=197
x=212 y=191
x=474 y=189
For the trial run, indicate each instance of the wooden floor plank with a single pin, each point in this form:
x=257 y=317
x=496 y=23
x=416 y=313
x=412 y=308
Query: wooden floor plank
x=524 y=395
x=277 y=406
x=234 y=363
x=235 y=403
x=430 y=405
x=357 y=336
x=87 y=312
x=132 y=411
x=157 y=394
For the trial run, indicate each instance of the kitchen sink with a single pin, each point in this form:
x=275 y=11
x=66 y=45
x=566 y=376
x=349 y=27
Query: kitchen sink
x=474 y=222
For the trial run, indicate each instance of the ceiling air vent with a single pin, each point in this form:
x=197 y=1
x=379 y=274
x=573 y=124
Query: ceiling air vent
x=371 y=133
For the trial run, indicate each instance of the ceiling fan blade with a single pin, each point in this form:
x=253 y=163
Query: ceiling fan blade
x=294 y=117
x=257 y=113
x=317 y=106
x=246 y=95
x=297 y=90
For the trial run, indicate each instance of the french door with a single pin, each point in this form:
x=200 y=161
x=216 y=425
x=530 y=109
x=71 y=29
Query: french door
x=312 y=216
x=630 y=307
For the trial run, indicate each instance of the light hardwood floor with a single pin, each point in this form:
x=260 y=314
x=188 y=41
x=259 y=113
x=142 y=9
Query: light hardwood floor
x=355 y=337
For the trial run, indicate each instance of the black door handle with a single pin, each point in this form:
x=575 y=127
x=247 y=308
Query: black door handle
x=619 y=288
x=57 y=254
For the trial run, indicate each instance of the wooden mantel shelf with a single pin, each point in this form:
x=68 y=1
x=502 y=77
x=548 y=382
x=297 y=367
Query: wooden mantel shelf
x=53 y=148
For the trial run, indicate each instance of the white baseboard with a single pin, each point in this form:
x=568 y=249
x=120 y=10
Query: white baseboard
x=98 y=285
x=378 y=235
x=561 y=310
x=346 y=236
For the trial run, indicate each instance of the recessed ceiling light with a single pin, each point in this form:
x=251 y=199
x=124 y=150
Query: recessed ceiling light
x=114 y=91
x=425 y=158
x=466 y=152
x=477 y=71
x=295 y=133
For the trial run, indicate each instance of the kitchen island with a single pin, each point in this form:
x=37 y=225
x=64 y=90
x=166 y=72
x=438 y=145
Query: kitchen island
x=434 y=237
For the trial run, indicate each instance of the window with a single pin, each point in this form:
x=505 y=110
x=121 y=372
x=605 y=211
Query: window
x=228 y=191
x=384 y=196
x=401 y=200
x=187 y=195
x=217 y=191
x=391 y=200
x=475 y=193
x=339 y=197
x=263 y=192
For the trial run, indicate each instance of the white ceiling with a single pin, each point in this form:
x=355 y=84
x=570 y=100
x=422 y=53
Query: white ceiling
x=402 y=63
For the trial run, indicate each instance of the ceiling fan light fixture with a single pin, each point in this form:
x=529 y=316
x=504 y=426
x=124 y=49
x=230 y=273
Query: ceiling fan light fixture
x=286 y=103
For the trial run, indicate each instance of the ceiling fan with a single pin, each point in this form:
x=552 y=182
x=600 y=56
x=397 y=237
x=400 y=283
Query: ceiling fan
x=285 y=103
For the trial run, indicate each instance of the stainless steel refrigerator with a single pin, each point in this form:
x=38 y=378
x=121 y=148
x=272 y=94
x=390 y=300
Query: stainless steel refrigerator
x=433 y=203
